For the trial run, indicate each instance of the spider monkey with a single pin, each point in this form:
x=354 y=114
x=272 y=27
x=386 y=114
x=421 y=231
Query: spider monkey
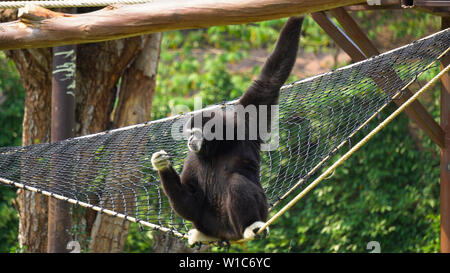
x=219 y=189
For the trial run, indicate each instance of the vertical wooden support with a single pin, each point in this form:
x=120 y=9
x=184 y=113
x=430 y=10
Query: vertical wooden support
x=63 y=109
x=445 y=152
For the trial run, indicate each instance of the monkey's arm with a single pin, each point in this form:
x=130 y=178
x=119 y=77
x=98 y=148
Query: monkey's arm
x=183 y=197
x=278 y=66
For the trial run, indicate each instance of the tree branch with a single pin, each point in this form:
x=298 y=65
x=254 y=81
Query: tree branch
x=39 y=27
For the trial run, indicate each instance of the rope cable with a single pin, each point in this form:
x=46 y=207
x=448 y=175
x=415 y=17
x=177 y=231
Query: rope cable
x=90 y=206
x=69 y=3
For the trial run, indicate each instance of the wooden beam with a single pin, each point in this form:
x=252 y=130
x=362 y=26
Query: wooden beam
x=440 y=7
x=39 y=27
x=431 y=3
x=445 y=152
x=354 y=31
x=339 y=36
x=384 y=4
x=364 y=49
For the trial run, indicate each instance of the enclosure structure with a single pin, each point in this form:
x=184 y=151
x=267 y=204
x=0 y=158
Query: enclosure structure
x=351 y=39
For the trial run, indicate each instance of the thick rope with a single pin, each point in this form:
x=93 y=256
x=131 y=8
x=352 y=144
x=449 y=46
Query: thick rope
x=94 y=207
x=356 y=147
x=69 y=3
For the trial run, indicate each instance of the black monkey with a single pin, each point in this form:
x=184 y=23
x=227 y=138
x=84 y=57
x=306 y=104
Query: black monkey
x=219 y=189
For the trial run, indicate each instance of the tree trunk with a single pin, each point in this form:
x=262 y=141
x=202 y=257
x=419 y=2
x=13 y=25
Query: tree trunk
x=134 y=106
x=138 y=85
x=99 y=67
x=33 y=208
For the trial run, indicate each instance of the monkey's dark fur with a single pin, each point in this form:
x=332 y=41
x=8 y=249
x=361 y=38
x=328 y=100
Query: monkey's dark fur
x=219 y=189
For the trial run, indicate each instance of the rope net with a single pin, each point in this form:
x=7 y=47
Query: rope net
x=112 y=171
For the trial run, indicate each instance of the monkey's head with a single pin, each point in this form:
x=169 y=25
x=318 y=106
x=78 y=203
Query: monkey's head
x=195 y=139
x=206 y=132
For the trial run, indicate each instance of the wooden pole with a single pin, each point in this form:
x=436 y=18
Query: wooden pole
x=445 y=151
x=63 y=111
x=39 y=27
x=63 y=106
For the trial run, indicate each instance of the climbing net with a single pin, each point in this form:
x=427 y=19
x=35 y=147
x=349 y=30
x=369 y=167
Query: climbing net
x=112 y=172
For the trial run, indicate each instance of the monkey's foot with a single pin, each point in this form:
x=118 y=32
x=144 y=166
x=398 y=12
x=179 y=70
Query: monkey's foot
x=251 y=231
x=161 y=160
x=195 y=236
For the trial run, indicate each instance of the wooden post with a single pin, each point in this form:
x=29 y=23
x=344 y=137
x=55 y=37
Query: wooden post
x=445 y=152
x=63 y=109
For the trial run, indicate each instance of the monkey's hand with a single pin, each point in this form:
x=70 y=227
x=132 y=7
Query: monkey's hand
x=161 y=160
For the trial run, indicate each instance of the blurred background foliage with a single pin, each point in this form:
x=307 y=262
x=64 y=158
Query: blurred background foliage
x=12 y=97
x=387 y=192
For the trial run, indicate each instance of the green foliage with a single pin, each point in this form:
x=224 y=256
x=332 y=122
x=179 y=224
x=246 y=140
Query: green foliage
x=8 y=220
x=197 y=62
x=11 y=103
x=399 y=24
x=139 y=241
x=11 y=114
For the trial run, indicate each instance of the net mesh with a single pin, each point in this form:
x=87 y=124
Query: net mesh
x=113 y=171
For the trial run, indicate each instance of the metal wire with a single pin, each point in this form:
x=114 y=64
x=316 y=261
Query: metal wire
x=111 y=171
x=69 y=3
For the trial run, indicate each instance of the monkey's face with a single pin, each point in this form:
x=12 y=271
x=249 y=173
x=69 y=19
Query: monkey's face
x=195 y=139
x=200 y=132
x=193 y=132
